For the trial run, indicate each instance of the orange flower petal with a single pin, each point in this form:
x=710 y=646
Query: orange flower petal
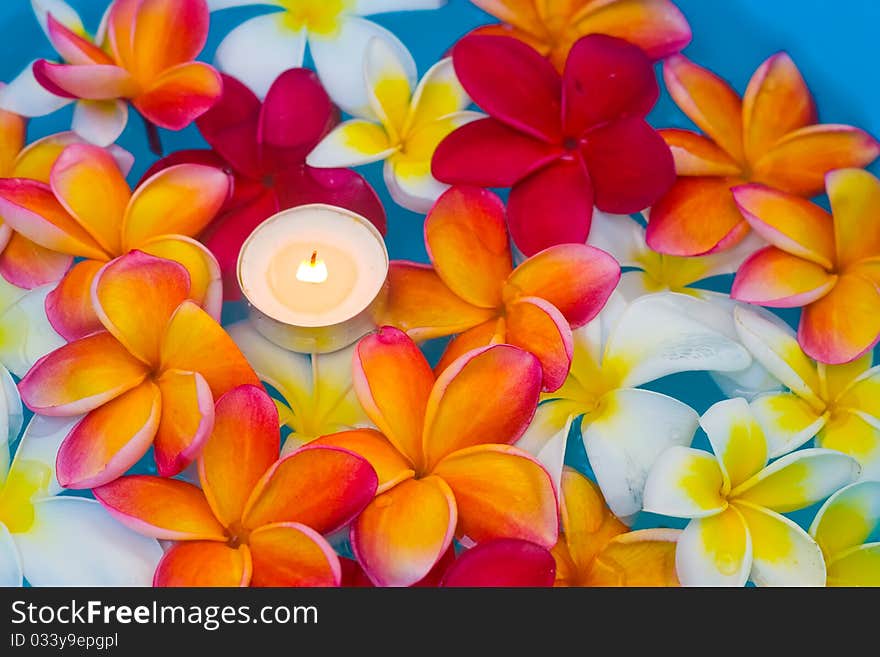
x=322 y=487
x=81 y=376
x=708 y=101
x=844 y=324
x=640 y=558
x=576 y=278
x=167 y=509
x=194 y=342
x=482 y=335
x=26 y=264
x=798 y=162
x=539 y=43
x=31 y=208
x=788 y=222
x=774 y=278
x=697 y=216
x=291 y=554
x=88 y=183
x=393 y=381
x=696 y=155
x=13 y=132
x=120 y=26
x=390 y=465
x=539 y=328
x=204 y=563
x=855 y=202
x=72 y=47
x=166 y=33
x=205 y=278
x=519 y=13
x=180 y=95
x=404 y=531
x=159 y=286
x=179 y=200
x=487 y=396
x=501 y=492
x=776 y=102
x=467 y=241
x=110 y=439
x=187 y=418
x=69 y=306
x=421 y=304
x=243 y=445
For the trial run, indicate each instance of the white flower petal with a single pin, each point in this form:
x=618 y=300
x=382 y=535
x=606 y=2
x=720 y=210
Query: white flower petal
x=848 y=518
x=61 y=12
x=75 y=542
x=10 y=561
x=339 y=61
x=685 y=483
x=259 y=50
x=748 y=383
x=621 y=236
x=25 y=332
x=636 y=283
x=667 y=333
x=11 y=410
x=547 y=435
x=367 y=7
x=627 y=435
x=352 y=144
x=438 y=94
x=737 y=440
x=714 y=551
x=27 y=97
x=40 y=442
x=783 y=554
x=787 y=420
x=100 y=121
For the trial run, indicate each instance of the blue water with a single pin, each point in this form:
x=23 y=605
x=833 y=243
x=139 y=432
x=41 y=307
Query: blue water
x=832 y=42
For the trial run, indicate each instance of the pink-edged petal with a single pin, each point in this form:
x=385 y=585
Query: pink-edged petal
x=186 y=422
x=771 y=277
x=606 y=79
x=844 y=324
x=575 y=278
x=72 y=47
x=89 y=81
x=180 y=95
x=291 y=554
x=506 y=562
x=458 y=416
x=538 y=327
x=696 y=155
x=792 y=224
x=26 y=264
x=69 y=306
x=403 y=532
x=390 y=465
x=204 y=564
x=110 y=439
x=243 y=445
x=630 y=165
x=166 y=33
x=551 y=206
x=167 y=509
x=529 y=101
x=488 y=153
x=81 y=376
x=855 y=202
x=467 y=242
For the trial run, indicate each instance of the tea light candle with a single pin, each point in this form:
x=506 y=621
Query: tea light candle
x=314 y=277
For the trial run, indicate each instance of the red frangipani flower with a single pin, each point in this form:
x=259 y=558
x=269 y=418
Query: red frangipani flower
x=563 y=143
x=264 y=146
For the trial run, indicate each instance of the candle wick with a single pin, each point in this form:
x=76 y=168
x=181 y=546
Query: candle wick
x=314 y=258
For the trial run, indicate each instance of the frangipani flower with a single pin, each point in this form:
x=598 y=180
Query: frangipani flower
x=563 y=143
x=256 y=520
x=842 y=526
x=769 y=137
x=735 y=499
x=87 y=210
x=317 y=389
x=829 y=264
x=411 y=124
x=144 y=56
x=503 y=562
x=596 y=549
x=624 y=238
x=148 y=378
x=60 y=541
x=443 y=458
x=839 y=404
x=264 y=146
x=552 y=28
x=474 y=290
x=624 y=428
x=259 y=49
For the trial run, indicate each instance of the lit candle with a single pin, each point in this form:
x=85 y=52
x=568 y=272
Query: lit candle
x=314 y=277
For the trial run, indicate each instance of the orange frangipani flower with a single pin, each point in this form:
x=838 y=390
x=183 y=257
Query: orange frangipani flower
x=553 y=26
x=770 y=137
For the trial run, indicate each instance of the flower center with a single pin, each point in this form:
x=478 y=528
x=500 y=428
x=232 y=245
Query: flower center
x=26 y=480
x=571 y=144
x=319 y=17
x=237 y=535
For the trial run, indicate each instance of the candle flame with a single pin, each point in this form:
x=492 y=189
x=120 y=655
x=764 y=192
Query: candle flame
x=312 y=270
